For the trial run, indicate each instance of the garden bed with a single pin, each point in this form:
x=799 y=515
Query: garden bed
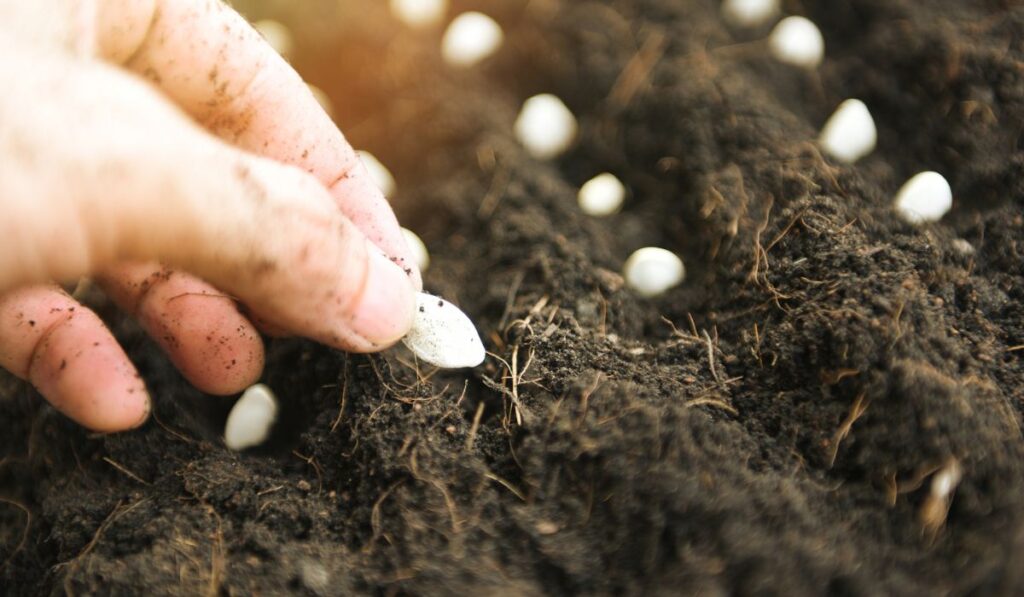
x=776 y=424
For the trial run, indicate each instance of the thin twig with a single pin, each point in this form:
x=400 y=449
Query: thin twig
x=505 y=484
x=124 y=470
x=860 y=406
x=76 y=562
x=216 y=556
x=711 y=355
x=311 y=461
x=712 y=402
x=637 y=71
x=344 y=401
x=475 y=426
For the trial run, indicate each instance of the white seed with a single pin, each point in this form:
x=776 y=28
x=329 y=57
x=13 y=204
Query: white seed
x=924 y=198
x=251 y=418
x=419 y=13
x=277 y=36
x=321 y=98
x=545 y=126
x=749 y=13
x=379 y=173
x=962 y=246
x=315 y=576
x=470 y=38
x=442 y=335
x=418 y=249
x=797 y=41
x=946 y=479
x=602 y=195
x=850 y=133
x=651 y=271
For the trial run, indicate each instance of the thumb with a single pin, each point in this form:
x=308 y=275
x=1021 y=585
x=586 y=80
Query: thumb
x=102 y=169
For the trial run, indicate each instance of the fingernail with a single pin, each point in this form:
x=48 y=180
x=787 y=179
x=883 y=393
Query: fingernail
x=386 y=310
x=146 y=409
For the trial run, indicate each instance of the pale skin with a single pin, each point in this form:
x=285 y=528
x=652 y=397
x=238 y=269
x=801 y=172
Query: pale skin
x=143 y=139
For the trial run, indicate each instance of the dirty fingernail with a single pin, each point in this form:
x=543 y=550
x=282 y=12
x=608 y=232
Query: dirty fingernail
x=385 y=311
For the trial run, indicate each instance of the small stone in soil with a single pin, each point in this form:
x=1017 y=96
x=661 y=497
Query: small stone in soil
x=443 y=335
x=924 y=198
x=797 y=41
x=545 y=126
x=251 y=418
x=749 y=13
x=602 y=195
x=850 y=133
x=472 y=37
x=651 y=271
x=379 y=173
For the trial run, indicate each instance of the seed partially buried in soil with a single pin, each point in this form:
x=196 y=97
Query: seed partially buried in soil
x=651 y=271
x=924 y=198
x=322 y=98
x=251 y=418
x=419 y=13
x=850 y=133
x=443 y=335
x=379 y=173
x=545 y=126
x=797 y=41
x=749 y=13
x=471 y=38
x=417 y=248
x=277 y=36
x=602 y=195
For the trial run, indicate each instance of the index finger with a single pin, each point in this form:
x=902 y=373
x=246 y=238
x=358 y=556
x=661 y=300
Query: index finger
x=213 y=64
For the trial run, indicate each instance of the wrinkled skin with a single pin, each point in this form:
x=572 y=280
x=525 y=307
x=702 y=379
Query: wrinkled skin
x=142 y=139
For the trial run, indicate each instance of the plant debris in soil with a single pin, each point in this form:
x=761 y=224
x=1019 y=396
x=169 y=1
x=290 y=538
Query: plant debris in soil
x=831 y=403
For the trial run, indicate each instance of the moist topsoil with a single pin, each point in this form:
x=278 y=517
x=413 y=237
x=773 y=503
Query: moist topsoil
x=781 y=423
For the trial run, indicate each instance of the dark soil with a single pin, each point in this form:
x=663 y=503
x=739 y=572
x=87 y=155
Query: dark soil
x=773 y=426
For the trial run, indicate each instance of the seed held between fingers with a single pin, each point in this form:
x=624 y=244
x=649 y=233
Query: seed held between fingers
x=443 y=335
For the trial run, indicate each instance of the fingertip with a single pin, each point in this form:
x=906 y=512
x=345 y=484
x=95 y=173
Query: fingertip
x=412 y=270
x=213 y=345
x=199 y=328
x=364 y=204
x=383 y=312
x=82 y=371
x=129 y=412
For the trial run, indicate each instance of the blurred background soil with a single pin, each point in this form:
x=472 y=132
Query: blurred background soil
x=772 y=426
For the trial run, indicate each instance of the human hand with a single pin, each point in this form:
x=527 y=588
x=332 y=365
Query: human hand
x=222 y=165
